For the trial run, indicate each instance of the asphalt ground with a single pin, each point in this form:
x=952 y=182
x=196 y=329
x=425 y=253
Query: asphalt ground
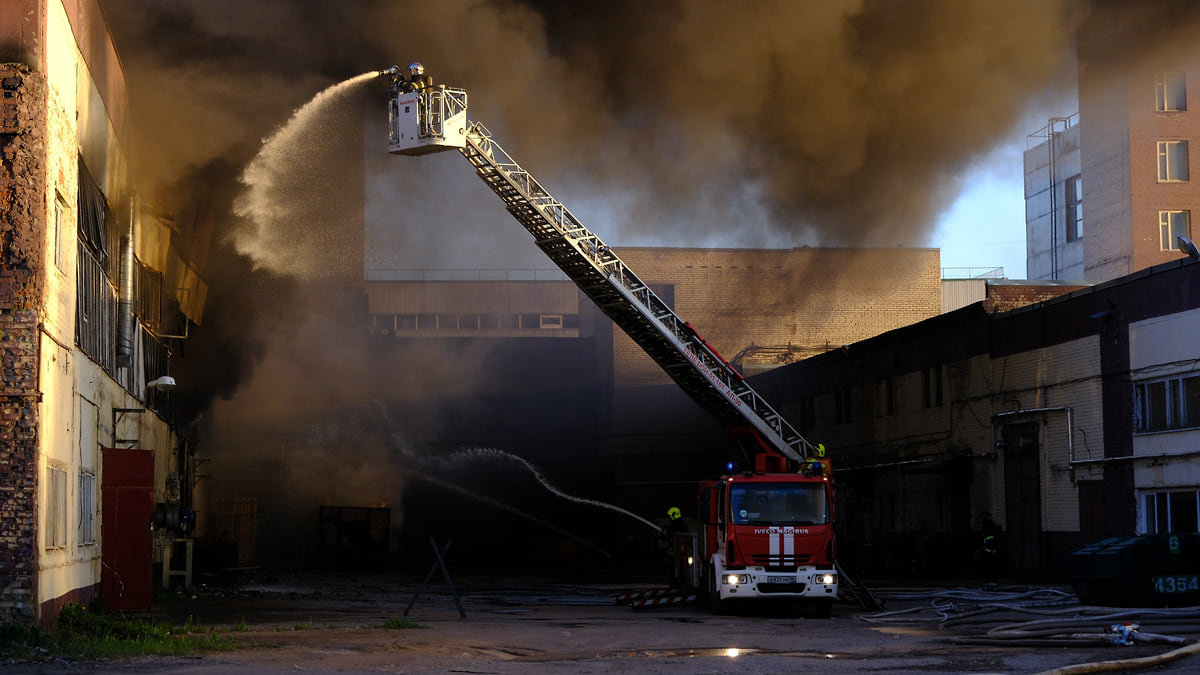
x=334 y=623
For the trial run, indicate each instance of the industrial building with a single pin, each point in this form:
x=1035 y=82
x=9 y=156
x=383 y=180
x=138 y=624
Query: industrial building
x=533 y=367
x=1066 y=419
x=96 y=291
x=1061 y=407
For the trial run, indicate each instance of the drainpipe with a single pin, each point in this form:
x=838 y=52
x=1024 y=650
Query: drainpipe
x=125 y=298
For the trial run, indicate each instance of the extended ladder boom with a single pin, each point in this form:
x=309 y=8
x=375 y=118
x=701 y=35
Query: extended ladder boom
x=438 y=122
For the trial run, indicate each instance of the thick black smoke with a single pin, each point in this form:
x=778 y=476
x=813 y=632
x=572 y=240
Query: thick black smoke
x=833 y=122
x=680 y=122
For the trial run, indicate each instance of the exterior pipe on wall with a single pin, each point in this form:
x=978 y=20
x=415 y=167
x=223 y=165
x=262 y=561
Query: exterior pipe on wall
x=1038 y=411
x=125 y=300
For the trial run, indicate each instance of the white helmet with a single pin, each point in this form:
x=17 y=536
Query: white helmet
x=416 y=68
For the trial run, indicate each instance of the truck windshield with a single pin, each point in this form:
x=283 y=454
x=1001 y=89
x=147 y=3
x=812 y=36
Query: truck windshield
x=779 y=503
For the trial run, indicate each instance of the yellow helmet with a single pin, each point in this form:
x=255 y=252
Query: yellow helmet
x=673 y=513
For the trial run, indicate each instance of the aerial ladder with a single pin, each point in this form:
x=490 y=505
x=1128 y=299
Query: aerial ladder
x=435 y=121
x=732 y=553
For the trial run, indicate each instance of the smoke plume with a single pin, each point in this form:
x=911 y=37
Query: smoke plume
x=676 y=122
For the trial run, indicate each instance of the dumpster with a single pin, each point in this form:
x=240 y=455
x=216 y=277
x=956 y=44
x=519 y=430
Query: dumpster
x=1156 y=570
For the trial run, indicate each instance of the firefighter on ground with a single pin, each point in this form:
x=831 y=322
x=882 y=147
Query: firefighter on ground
x=418 y=80
x=990 y=549
x=666 y=542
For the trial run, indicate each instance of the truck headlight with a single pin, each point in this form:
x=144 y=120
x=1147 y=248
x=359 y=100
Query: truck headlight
x=735 y=579
x=827 y=579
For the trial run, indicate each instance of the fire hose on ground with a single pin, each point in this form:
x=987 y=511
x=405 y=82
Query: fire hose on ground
x=1046 y=617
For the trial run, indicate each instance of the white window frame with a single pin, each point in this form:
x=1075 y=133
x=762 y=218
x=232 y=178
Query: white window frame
x=1173 y=162
x=1172 y=225
x=1170 y=91
x=1156 y=514
x=550 y=321
x=1173 y=409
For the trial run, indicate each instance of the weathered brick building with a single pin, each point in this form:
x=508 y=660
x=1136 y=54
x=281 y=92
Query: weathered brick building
x=22 y=233
x=1109 y=190
x=85 y=447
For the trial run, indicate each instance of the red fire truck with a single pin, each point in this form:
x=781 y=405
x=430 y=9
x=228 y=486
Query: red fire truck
x=762 y=532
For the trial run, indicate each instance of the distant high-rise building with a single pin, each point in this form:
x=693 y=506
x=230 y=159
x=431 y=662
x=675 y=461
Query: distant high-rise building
x=1109 y=191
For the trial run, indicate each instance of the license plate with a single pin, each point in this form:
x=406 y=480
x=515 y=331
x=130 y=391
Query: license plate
x=1176 y=583
x=780 y=580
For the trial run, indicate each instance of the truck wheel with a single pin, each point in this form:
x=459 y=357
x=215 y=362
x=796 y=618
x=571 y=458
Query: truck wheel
x=823 y=609
x=715 y=603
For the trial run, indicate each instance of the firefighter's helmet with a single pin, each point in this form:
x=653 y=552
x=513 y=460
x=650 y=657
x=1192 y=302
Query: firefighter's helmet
x=416 y=68
x=673 y=513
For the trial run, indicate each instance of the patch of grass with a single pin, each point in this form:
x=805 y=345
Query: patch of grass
x=303 y=626
x=401 y=624
x=241 y=626
x=81 y=634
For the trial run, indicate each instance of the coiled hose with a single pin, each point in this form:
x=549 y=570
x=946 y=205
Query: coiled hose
x=1045 y=617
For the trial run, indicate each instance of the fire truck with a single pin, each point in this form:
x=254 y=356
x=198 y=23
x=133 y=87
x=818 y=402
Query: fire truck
x=760 y=531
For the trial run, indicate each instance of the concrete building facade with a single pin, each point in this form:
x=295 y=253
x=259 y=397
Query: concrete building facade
x=1066 y=420
x=86 y=449
x=559 y=385
x=1109 y=191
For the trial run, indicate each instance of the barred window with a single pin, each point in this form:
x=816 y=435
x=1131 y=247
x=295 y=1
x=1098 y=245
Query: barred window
x=95 y=310
x=93 y=216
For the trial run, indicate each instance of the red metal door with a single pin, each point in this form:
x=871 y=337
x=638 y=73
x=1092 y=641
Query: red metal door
x=127 y=509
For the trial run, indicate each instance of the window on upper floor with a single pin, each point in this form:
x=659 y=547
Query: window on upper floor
x=931 y=387
x=1172 y=225
x=806 y=414
x=1074 y=208
x=1176 y=511
x=1170 y=403
x=58 y=237
x=1172 y=161
x=1170 y=91
x=843 y=409
x=96 y=296
x=885 y=398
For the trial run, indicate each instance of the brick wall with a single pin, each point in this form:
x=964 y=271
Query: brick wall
x=812 y=299
x=1002 y=298
x=22 y=238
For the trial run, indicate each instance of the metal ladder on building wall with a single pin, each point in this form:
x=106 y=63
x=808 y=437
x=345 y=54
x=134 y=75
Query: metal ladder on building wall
x=695 y=366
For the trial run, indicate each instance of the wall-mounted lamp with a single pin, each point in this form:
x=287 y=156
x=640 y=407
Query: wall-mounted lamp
x=1187 y=246
x=164 y=383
